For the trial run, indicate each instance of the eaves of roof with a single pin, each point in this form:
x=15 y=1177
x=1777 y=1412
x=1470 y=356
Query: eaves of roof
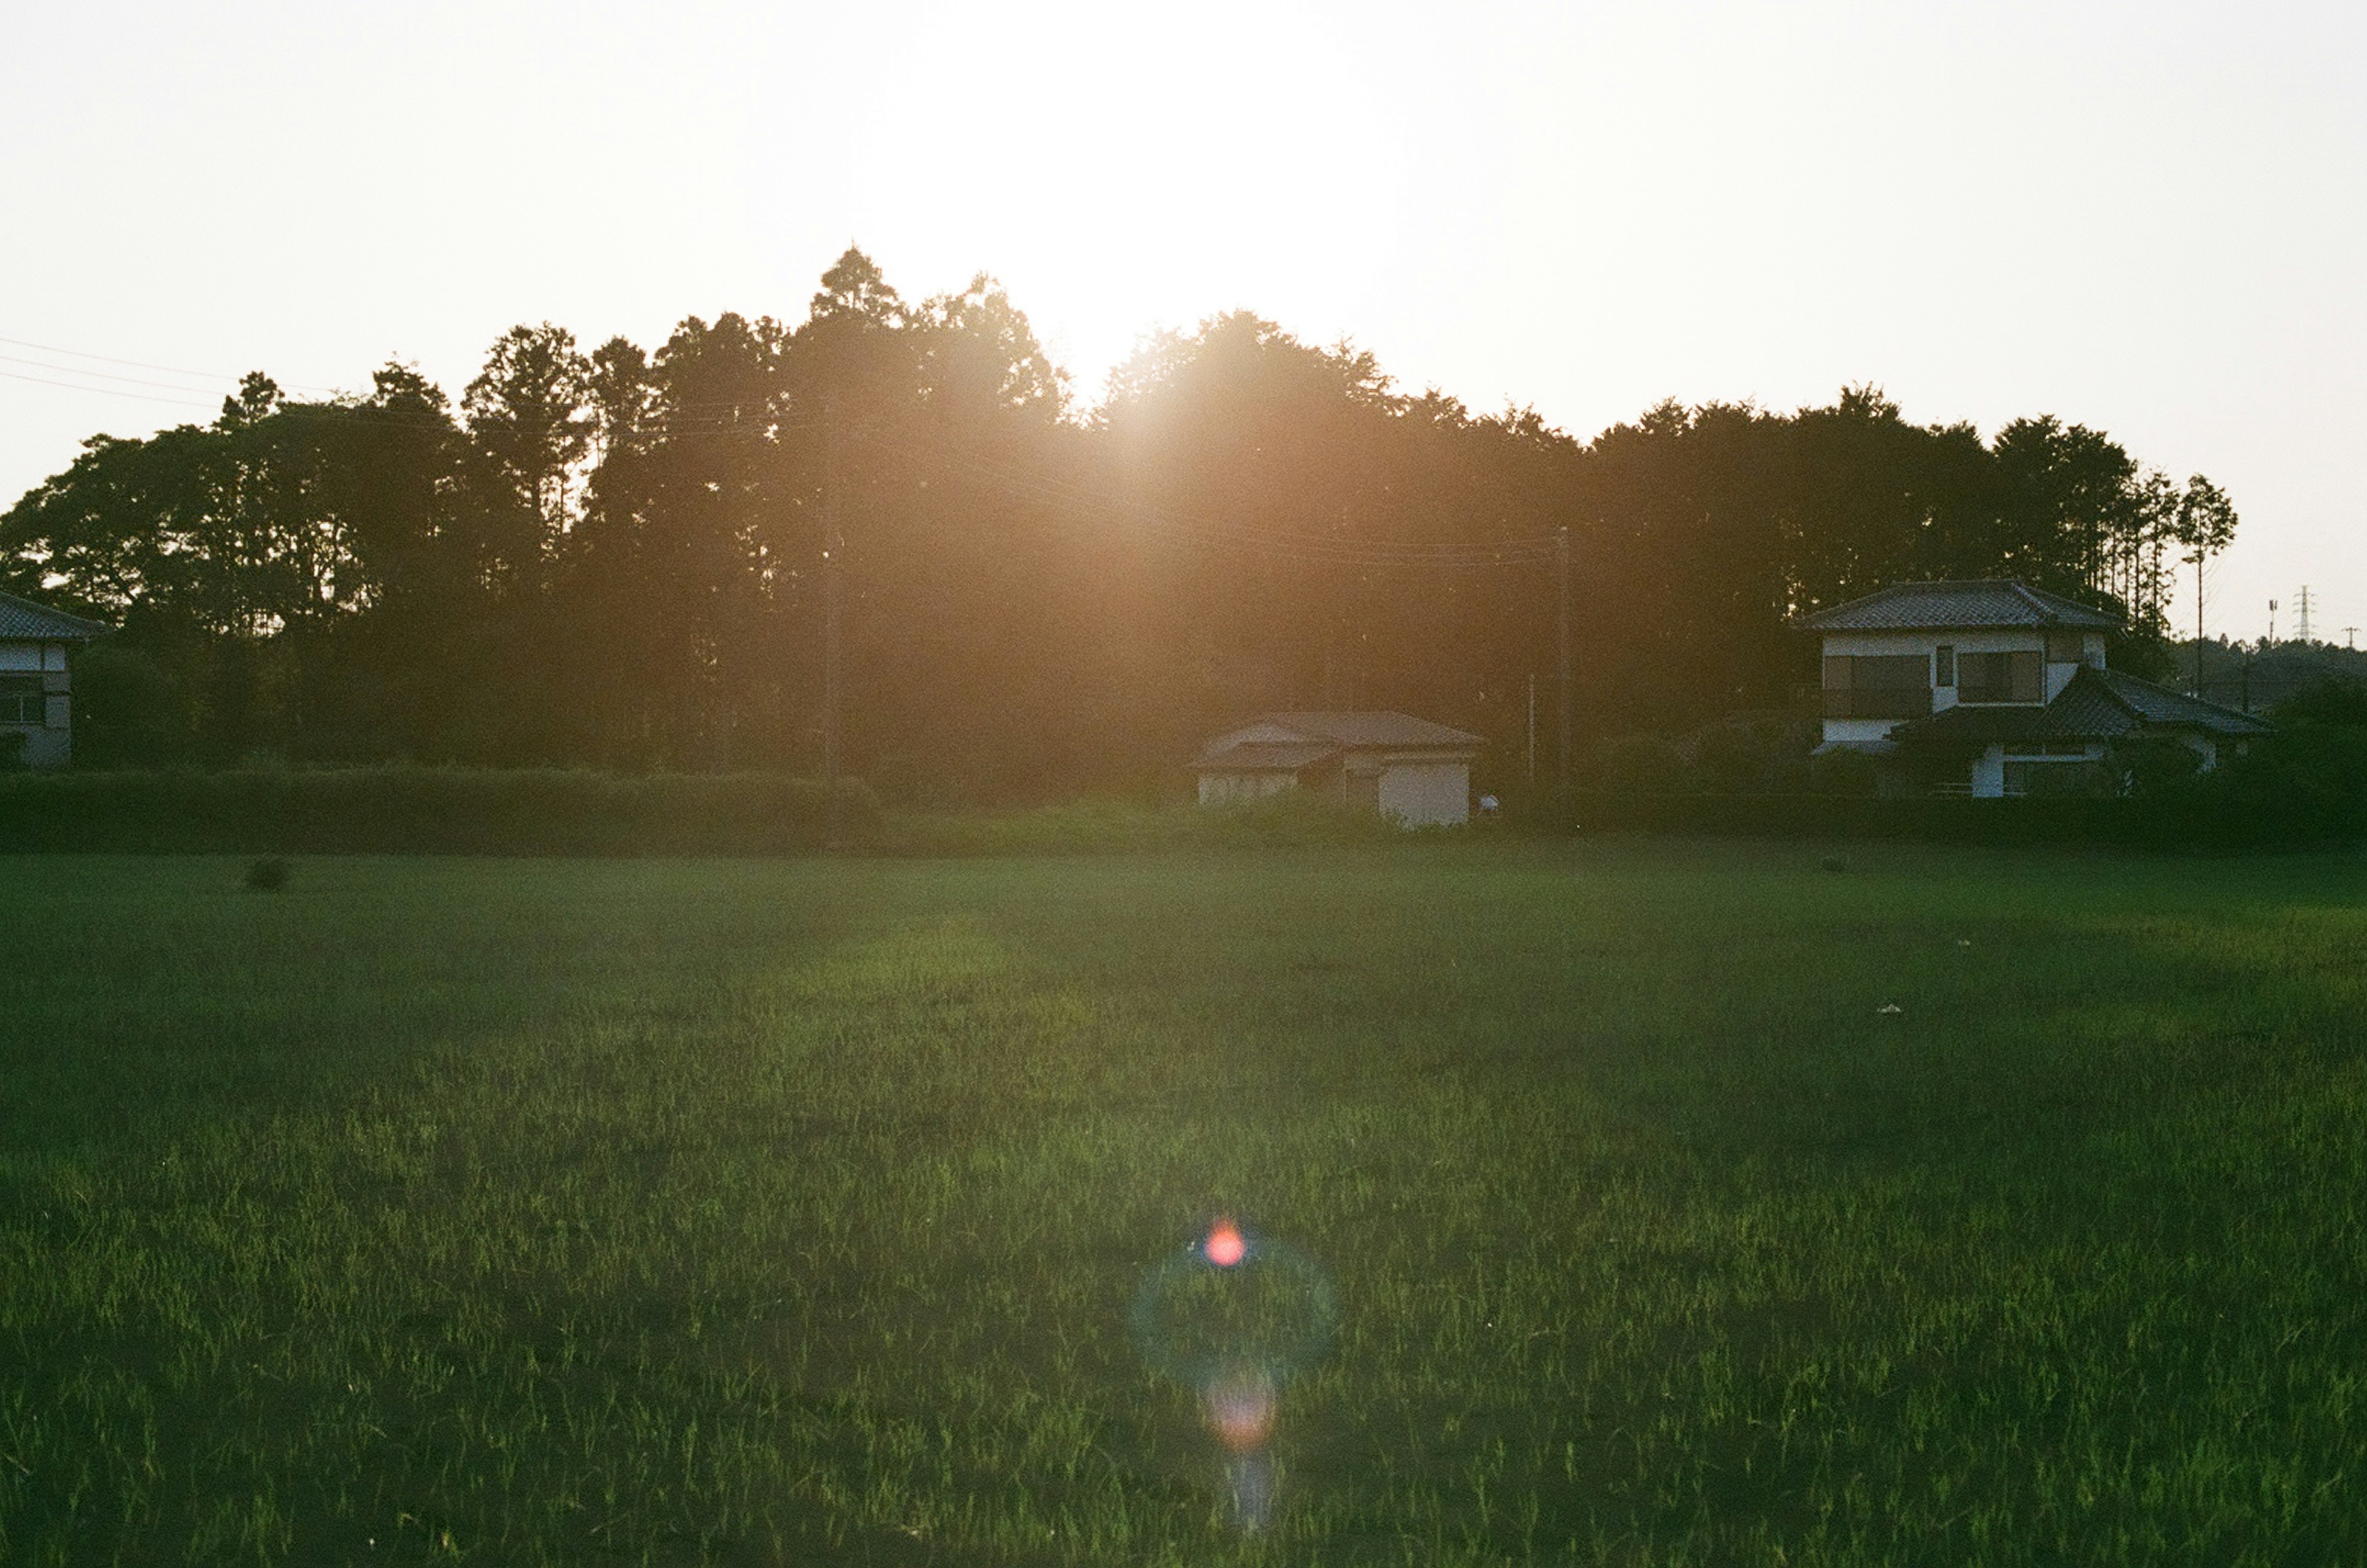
x=1263 y=756
x=1374 y=728
x=2096 y=704
x=1966 y=605
x=23 y=620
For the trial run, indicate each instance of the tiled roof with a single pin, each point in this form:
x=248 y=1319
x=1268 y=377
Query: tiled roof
x=1289 y=741
x=1957 y=606
x=21 y=620
x=2159 y=705
x=1264 y=756
x=1372 y=728
x=2097 y=705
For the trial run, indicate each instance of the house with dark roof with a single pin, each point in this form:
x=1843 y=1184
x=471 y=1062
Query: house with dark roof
x=1400 y=766
x=1997 y=688
x=37 y=646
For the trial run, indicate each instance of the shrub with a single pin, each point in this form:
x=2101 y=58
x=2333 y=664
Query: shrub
x=1294 y=819
x=127 y=711
x=1642 y=764
x=1766 y=754
x=403 y=810
x=1843 y=771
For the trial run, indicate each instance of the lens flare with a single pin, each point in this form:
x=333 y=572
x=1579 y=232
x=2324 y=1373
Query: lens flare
x=1233 y=1316
x=1240 y=1407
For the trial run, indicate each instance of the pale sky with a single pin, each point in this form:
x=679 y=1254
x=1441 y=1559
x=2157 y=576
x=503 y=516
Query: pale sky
x=2151 y=219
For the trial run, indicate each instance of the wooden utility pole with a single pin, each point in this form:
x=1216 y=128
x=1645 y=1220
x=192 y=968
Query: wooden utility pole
x=1561 y=579
x=1532 y=727
x=834 y=545
x=2198 y=621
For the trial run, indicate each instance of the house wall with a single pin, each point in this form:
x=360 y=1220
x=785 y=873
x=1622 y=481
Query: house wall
x=49 y=744
x=1422 y=791
x=1216 y=788
x=2000 y=641
x=1989 y=768
x=1988 y=773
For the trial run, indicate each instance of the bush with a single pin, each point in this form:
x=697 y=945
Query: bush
x=1843 y=771
x=1766 y=754
x=1294 y=819
x=1642 y=764
x=403 y=810
x=127 y=711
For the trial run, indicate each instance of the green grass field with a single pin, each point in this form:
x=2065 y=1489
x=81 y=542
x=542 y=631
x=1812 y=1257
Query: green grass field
x=544 y=1212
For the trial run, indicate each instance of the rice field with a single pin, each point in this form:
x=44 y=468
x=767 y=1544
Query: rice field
x=1663 y=1203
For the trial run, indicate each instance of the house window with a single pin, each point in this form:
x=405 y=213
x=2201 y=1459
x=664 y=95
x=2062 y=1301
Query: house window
x=1943 y=666
x=2065 y=647
x=21 y=699
x=1881 y=686
x=2000 y=677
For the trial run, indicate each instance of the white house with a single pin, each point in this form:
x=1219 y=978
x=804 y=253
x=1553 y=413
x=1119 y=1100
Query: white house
x=37 y=681
x=1391 y=763
x=1995 y=688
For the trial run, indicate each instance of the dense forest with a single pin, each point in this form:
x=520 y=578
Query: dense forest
x=622 y=558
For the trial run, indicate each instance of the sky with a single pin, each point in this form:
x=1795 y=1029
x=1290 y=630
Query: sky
x=2147 y=218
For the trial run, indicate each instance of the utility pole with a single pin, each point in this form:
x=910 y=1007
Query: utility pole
x=2198 y=621
x=2272 y=620
x=1561 y=576
x=1532 y=727
x=833 y=694
x=2351 y=638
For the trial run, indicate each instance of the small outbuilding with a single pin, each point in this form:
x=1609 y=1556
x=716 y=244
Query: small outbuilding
x=37 y=646
x=1400 y=766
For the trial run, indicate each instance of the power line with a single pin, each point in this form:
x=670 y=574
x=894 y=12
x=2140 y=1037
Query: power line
x=104 y=391
x=141 y=363
x=100 y=374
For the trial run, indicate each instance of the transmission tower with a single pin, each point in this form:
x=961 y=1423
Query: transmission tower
x=2302 y=630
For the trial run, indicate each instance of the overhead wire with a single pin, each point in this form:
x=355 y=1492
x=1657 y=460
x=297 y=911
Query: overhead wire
x=144 y=365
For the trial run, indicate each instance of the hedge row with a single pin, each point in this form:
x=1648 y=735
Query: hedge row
x=2192 y=819
x=400 y=810
x=410 y=811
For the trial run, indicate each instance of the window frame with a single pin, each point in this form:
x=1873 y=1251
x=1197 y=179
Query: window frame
x=24 y=699
x=1906 y=694
x=2023 y=670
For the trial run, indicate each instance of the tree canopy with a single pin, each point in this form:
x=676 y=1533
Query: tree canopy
x=612 y=558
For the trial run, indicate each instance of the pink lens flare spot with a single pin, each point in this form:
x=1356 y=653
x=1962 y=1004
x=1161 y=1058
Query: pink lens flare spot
x=1240 y=1407
x=1224 y=1246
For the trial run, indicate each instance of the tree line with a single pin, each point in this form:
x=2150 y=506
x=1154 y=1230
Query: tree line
x=616 y=557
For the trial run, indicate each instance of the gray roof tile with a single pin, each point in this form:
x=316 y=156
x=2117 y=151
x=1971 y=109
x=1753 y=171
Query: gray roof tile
x=1958 y=606
x=1264 y=756
x=1289 y=741
x=22 y=620
x=1379 y=729
x=2097 y=705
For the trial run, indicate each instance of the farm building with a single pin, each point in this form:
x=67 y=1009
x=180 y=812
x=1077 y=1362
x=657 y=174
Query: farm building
x=1997 y=688
x=1391 y=763
x=37 y=645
